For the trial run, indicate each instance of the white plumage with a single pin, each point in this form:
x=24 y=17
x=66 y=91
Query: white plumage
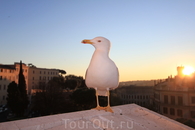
x=102 y=73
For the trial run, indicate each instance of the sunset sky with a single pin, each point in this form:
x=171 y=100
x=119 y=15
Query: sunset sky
x=150 y=38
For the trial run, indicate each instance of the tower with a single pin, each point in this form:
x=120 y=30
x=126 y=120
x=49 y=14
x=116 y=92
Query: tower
x=180 y=71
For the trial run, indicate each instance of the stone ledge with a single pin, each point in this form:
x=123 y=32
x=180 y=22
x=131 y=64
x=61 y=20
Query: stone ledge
x=130 y=116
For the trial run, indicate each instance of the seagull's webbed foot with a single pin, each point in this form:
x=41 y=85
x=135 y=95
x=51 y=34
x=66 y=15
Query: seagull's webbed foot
x=108 y=109
x=99 y=108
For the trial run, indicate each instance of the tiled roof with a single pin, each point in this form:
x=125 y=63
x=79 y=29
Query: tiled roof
x=125 y=117
x=7 y=66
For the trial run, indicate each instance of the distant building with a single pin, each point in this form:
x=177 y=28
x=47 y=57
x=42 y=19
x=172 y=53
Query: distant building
x=136 y=94
x=37 y=76
x=33 y=76
x=9 y=73
x=140 y=83
x=175 y=97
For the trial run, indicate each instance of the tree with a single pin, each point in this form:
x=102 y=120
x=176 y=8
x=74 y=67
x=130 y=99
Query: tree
x=51 y=98
x=84 y=98
x=12 y=97
x=23 y=97
x=114 y=98
x=62 y=72
x=73 y=82
x=17 y=95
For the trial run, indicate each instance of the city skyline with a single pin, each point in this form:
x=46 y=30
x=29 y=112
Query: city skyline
x=149 y=38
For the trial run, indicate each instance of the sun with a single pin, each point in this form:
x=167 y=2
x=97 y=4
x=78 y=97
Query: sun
x=188 y=70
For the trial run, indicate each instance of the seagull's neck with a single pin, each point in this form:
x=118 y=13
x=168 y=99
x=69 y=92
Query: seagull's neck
x=102 y=52
x=98 y=57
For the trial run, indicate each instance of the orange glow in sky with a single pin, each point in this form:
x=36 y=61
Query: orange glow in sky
x=150 y=39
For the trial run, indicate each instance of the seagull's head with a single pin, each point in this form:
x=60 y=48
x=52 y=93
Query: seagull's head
x=99 y=43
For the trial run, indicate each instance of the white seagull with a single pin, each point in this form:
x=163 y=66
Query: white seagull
x=102 y=73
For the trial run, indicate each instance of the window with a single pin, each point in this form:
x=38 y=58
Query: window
x=0 y=87
x=180 y=100
x=165 y=110
x=0 y=77
x=33 y=71
x=179 y=113
x=33 y=78
x=157 y=96
x=147 y=96
x=192 y=114
x=1 y=70
x=40 y=77
x=172 y=111
x=40 y=72
x=173 y=100
x=193 y=99
x=4 y=87
x=165 y=98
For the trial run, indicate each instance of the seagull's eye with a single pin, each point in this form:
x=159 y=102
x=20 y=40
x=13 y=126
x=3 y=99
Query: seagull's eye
x=99 y=40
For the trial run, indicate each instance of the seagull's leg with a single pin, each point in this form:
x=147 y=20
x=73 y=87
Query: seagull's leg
x=97 y=99
x=108 y=108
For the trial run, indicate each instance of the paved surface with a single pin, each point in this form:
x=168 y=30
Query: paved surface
x=125 y=117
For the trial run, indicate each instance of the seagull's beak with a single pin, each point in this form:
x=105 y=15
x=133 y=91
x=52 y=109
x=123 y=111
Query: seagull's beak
x=87 y=41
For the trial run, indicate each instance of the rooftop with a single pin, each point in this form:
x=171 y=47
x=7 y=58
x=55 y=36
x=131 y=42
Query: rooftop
x=7 y=66
x=129 y=116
